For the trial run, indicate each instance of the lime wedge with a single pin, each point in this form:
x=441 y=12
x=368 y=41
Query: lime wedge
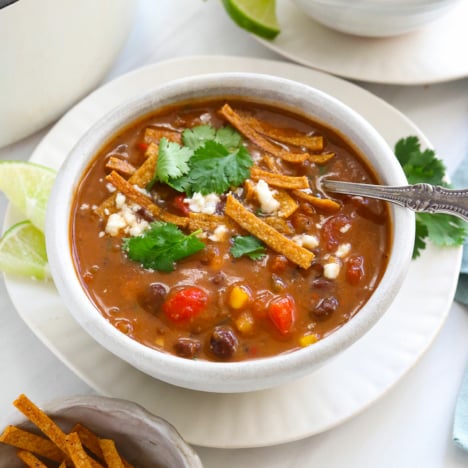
x=27 y=186
x=23 y=251
x=256 y=16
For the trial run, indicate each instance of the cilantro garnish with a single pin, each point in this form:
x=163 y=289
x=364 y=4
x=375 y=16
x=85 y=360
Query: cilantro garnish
x=211 y=160
x=161 y=246
x=247 y=245
x=423 y=166
x=172 y=162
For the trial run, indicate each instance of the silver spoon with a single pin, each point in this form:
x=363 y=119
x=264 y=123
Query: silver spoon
x=418 y=197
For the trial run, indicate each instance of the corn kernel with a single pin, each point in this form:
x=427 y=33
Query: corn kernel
x=239 y=297
x=159 y=341
x=307 y=340
x=245 y=323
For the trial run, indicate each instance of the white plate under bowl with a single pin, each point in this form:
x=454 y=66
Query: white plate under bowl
x=302 y=408
x=435 y=53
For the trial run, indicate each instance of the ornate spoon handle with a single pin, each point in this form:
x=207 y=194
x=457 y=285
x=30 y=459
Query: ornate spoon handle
x=419 y=197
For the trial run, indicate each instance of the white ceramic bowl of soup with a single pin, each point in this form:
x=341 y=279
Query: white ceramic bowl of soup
x=143 y=439
x=251 y=374
x=375 y=18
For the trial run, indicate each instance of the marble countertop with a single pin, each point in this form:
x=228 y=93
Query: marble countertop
x=411 y=425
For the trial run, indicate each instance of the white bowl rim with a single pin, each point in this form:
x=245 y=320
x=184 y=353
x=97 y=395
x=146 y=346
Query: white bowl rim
x=200 y=374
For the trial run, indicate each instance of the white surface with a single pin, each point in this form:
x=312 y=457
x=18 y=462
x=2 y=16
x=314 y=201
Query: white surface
x=410 y=427
x=308 y=406
x=435 y=53
x=47 y=60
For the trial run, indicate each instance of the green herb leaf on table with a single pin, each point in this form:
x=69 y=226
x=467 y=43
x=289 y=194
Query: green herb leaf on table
x=161 y=246
x=424 y=166
x=172 y=161
x=249 y=246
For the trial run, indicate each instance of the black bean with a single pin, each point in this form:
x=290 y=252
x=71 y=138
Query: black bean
x=152 y=297
x=325 y=307
x=322 y=284
x=223 y=342
x=187 y=347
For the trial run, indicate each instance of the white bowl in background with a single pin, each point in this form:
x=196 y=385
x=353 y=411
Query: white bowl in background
x=144 y=439
x=53 y=53
x=229 y=376
x=375 y=18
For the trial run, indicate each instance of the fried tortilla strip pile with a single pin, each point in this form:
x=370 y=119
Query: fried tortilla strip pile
x=120 y=165
x=154 y=135
x=255 y=137
x=268 y=234
x=325 y=204
x=133 y=194
x=76 y=451
x=279 y=180
x=140 y=177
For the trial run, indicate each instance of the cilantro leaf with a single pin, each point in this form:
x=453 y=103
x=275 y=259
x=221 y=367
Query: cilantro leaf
x=423 y=166
x=247 y=245
x=198 y=136
x=172 y=162
x=213 y=168
x=161 y=246
x=419 y=166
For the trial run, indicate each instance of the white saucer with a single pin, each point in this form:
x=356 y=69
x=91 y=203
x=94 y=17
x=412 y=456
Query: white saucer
x=302 y=408
x=433 y=54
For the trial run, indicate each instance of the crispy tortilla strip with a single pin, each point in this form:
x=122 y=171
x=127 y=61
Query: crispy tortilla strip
x=31 y=442
x=321 y=158
x=325 y=204
x=30 y=460
x=250 y=133
x=42 y=421
x=270 y=236
x=91 y=441
x=76 y=451
x=120 y=165
x=270 y=162
x=133 y=194
x=279 y=180
x=280 y=224
x=209 y=222
x=294 y=138
x=110 y=453
x=287 y=204
x=249 y=190
x=154 y=134
x=140 y=177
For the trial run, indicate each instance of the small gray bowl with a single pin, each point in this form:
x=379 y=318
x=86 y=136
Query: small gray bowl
x=144 y=439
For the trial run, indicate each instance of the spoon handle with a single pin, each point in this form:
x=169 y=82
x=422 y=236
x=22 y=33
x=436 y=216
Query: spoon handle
x=418 y=197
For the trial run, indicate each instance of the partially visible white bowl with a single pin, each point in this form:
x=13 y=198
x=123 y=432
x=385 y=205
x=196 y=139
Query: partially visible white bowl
x=227 y=376
x=144 y=439
x=53 y=53
x=375 y=18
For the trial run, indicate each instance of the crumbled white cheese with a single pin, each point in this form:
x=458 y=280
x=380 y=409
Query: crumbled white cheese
x=203 y=203
x=331 y=270
x=125 y=219
x=343 y=250
x=219 y=233
x=84 y=206
x=205 y=118
x=110 y=188
x=141 y=190
x=268 y=202
x=345 y=228
x=306 y=240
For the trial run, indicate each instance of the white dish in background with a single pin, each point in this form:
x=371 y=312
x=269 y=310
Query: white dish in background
x=435 y=53
x=290 y=412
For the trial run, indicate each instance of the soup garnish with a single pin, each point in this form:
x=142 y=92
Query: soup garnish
x=201 y=230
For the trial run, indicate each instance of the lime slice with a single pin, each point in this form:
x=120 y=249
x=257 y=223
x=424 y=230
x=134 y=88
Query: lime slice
x=27 y=186
x=256 y=16
x=23 y=251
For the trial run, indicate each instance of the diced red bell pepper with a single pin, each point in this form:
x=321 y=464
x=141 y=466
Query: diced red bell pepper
x=180 y=206
x=185 y=304
x=354 y=269
x=142 y=146
x=282 y=312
